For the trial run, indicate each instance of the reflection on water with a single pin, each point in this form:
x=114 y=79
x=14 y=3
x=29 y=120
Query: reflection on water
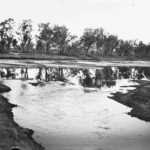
x=85 y=77
x=69 y=109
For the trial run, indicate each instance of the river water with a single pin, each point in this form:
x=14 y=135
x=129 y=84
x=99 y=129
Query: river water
x=70 y=109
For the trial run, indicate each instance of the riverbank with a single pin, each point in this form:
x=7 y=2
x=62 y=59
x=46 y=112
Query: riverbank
x=33 y=56
x=38 y=56
x=11 y=134
x=137 y=99
x=29 y=63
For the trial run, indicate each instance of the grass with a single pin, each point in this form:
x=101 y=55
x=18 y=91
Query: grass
x=63 y=57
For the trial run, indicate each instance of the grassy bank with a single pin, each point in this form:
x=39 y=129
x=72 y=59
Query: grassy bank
x=63 y=57
x=40 y=57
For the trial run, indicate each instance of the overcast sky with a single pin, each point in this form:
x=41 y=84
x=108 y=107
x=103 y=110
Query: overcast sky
x=129 y=19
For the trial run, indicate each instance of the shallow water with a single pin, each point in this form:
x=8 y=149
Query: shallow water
x=70 y=110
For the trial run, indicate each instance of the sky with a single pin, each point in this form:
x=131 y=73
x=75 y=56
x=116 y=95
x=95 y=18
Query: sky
x=129 y=19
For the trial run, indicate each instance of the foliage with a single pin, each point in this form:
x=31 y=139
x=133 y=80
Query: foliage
x=62 y=38
x=54 y=38
x=57 y=39
x=25 y=35
x=6 y=35
x=44 y=39
x=88 y=39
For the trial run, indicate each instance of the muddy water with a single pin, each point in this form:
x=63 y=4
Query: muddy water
x=70 y=109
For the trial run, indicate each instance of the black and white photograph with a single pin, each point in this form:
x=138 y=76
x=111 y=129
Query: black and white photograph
x=74 y=75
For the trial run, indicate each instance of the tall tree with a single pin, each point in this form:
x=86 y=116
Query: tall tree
x=88 y=39
x=7 y=34
x=25 y=35
x=56 y=37
x=124 y=48
x=111 y=44
x=141 y=49
x=45 y=37
x=100 y=37
x=62 y=38
x=93 y=40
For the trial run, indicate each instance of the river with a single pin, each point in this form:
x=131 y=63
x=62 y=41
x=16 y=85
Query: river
x=70 y=108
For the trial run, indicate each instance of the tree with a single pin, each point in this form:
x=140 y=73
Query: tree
x=7 y=35
x=147 y=53
x=100 y=37
x=93 y=40
x=88 y=39
x=56 y=37
x=125 y=48
x=25 y=36
x=44 y=39
x=111 y=44
x=74 y=48
x=141 y=49
x=62 y=38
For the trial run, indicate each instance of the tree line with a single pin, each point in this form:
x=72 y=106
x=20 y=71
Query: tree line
x=56 y=39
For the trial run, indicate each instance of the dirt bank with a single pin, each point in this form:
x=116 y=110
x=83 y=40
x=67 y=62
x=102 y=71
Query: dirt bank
x=11 y=134
x=138 y=100
x=13 y=63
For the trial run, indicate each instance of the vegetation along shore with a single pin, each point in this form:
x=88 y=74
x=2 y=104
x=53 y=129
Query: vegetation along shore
x=57 y=40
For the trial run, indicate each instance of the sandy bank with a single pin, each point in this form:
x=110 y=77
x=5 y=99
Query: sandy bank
x=138 y=100
x=70 y=63
x=11 y=134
